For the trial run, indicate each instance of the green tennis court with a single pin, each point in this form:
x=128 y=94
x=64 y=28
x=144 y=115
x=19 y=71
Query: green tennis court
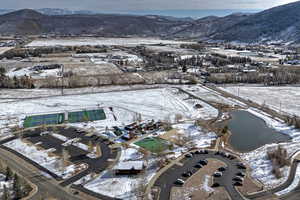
x=87 y=115
x=153 y=144
x=38 y=120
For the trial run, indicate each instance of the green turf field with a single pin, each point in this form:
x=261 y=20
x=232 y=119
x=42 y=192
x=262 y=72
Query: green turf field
x=153 y=144
x=87 y=115
x=38 y=120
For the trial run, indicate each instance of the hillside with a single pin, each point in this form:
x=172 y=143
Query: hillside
x=32 y=22
x=279 y=23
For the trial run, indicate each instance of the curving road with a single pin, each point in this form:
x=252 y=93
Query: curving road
x=46 y=187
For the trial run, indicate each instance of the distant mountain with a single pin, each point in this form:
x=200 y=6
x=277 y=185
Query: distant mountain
x=279 y=23
x=58 y=11
x=32 y=22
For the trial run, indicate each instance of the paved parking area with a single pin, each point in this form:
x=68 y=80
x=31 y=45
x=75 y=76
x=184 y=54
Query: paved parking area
x=78 y=155
x=166 y=181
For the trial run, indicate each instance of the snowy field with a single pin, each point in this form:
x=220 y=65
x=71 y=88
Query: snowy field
x=34 y=74
x=151 y=104
x=211 y=95
x=258 y=161
x=124 y=187
x=268 y=57
x=6 y=94
x=287 y=98
x=42 y=158
x=101 y=41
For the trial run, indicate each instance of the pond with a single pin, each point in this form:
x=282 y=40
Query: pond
x=250 y=132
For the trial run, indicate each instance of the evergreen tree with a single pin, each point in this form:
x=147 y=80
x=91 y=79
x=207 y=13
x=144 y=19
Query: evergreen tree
x=17 y=187
x=8 y=174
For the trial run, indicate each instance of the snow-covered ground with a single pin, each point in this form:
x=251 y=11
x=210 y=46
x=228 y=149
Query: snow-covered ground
x=285 y=98
x=205 y=112
x=7 y=184
x=6 y=123
x=101 y=41
x=258 y=161
x=257 y=56
x=211 y=95
x=124 y=187
x=152 y=104
x=99 y=58
x=34 y=74
x=42 y=158
x=199 y=137
x=6 y=94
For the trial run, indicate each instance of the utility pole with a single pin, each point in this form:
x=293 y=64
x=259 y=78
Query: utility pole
x=62 y=79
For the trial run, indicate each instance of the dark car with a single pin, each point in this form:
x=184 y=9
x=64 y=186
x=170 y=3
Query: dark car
x=198 y=166
x=241 y=174
x=238 y=184
x=197 y=152
x=188 y=155
x=222 y=169
x=179 y=182
x=187 y=174
x=203 y=162
x=237 y=179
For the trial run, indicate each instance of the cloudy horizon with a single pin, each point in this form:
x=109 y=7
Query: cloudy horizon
x=143 y=5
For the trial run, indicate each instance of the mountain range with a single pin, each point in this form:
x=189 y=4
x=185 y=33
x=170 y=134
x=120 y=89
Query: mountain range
x=278 y=23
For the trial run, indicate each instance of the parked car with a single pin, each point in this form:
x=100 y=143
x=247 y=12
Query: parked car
x=238 y=184
x=188 y=155
x=217 y=174
x=203 y=162
x=241 y=174
x=179 y=182
x=238 y=179
x=222 y=169
x=187 y=174
x=198 y=166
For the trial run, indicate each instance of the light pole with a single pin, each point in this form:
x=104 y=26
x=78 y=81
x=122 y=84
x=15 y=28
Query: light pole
x=62 y=79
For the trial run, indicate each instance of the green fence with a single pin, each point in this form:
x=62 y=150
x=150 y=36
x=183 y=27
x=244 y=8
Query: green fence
x=38 y=120
x=87 y=115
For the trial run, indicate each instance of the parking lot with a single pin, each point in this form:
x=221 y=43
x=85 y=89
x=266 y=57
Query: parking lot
x=77 y=155
x=170 y=177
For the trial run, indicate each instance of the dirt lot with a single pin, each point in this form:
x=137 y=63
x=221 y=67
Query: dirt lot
x=249 y=187
x=198 y=186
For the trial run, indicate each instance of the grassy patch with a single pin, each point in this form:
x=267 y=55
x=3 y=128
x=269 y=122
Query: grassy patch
x=154 y=144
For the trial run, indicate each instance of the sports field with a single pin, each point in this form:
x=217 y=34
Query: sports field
x=153 y=144
x=38 y=120
x=87 y=115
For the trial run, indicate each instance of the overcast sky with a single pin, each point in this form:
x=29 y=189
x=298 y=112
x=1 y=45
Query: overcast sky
x=127 y=5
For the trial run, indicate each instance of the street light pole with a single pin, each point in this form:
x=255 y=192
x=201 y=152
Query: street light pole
x=62 y=79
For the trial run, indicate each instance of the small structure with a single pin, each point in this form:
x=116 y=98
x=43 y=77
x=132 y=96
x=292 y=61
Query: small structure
x=129 y=168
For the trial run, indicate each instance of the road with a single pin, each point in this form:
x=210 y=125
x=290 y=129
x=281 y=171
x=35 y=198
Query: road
x=166 y=181
x=46 y=187
x=281 y=187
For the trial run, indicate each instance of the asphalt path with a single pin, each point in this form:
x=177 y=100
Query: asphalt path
x=166 y=181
